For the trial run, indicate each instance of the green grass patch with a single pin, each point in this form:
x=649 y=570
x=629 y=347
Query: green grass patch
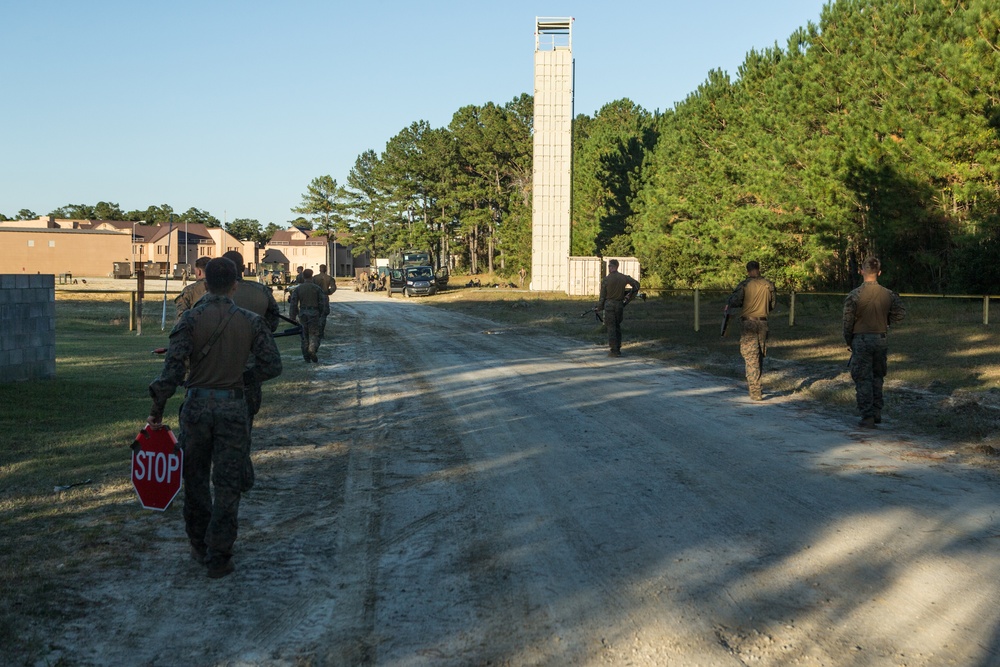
x=76 y=429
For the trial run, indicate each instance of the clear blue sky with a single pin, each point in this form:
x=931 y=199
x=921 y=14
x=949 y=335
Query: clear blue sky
x=234 y=107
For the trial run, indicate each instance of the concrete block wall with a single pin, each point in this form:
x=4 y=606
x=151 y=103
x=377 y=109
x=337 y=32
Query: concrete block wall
x=27 y=327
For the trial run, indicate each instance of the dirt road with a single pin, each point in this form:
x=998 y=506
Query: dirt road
x=458 y=493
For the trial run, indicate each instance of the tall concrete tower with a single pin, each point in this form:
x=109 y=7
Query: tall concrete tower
x=553 y=154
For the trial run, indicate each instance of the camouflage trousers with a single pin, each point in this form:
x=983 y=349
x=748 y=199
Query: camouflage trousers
x=869 y=363
x=254 y=397
x=310 y=320
x=614 y=313
x=215 y=434
x=753 y=347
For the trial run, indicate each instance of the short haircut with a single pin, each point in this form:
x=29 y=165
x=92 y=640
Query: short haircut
x=220 y=275
x=308 y=273
x=236 y=258
x=871 y=264
x=322 y=268
x=753 y=265
x=613 y=263
x=202 y=262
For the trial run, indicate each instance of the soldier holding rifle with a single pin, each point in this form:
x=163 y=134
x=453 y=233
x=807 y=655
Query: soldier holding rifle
x=757 y=297
x=617 y=290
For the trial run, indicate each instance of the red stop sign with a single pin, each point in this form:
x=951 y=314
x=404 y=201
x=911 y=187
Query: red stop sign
x=157 y=466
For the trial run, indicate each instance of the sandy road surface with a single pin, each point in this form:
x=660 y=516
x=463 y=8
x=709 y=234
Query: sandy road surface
x=459 y=493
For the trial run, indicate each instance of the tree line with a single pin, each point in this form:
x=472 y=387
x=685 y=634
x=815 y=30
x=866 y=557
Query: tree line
x=874 y=131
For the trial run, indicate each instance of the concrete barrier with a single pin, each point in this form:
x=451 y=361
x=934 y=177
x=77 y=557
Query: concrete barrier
x=27 y=327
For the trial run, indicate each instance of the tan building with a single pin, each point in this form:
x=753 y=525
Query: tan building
x=308 y=249
x=75 y=251
x=95 y=247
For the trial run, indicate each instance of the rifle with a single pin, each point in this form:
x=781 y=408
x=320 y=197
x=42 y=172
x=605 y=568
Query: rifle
x=295 y=330
x=629 y=296
x=725 y=321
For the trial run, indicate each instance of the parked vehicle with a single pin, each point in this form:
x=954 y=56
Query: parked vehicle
x=419 y=281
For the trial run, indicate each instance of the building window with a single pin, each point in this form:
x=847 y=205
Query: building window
x=31 y=243
x=52 y=244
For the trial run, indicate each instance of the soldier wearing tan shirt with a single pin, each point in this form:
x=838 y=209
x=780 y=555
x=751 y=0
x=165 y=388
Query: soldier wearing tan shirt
x=756 y=297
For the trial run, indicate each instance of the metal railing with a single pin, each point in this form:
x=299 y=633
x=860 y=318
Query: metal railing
x=794 y=296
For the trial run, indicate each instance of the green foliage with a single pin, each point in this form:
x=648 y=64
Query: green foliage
x=196 y=217
x=874 y=132
x=325 y=204
x=269 y=231
x=246 y=229
x=607 y=173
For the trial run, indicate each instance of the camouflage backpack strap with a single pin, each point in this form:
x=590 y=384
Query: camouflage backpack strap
x=203 y=352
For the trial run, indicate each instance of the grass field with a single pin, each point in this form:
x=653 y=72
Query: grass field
x=77 y=427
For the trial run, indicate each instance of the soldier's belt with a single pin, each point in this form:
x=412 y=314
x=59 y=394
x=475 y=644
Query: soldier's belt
x=200 y=392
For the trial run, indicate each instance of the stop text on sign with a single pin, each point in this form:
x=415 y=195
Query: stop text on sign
x=156 y=467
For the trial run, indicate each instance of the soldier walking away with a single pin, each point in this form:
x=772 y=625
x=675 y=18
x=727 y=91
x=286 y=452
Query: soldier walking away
x=191 y=293
x=756 y=297
x=617 y=289
x=215 y=339
x=868 y=312
x=309 y=304
x=329 y=285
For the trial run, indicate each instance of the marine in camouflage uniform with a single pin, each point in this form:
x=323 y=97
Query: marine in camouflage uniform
x=329 y=285
x=617 y=289
x=308 y=305
x=868 y=312
x=215 y=339
x=756 y=296
x=191 y=293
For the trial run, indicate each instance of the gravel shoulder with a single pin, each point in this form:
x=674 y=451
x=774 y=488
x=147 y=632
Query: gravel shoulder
x=450 y=491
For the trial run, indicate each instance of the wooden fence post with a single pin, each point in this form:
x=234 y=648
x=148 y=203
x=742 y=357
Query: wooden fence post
x=986 y=309
x=791 y=310
x=697 y=309
x=131 y=311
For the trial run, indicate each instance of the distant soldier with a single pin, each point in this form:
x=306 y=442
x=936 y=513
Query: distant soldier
x=757 y=298
x=617 y=289
x=325 y=280
x=308 y=305
x=868 y=312
x=191 y=293
x=329 y=285
x=216 y=339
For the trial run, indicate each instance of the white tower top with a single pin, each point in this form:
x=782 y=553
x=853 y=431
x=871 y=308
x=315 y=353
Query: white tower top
x=553 y=34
